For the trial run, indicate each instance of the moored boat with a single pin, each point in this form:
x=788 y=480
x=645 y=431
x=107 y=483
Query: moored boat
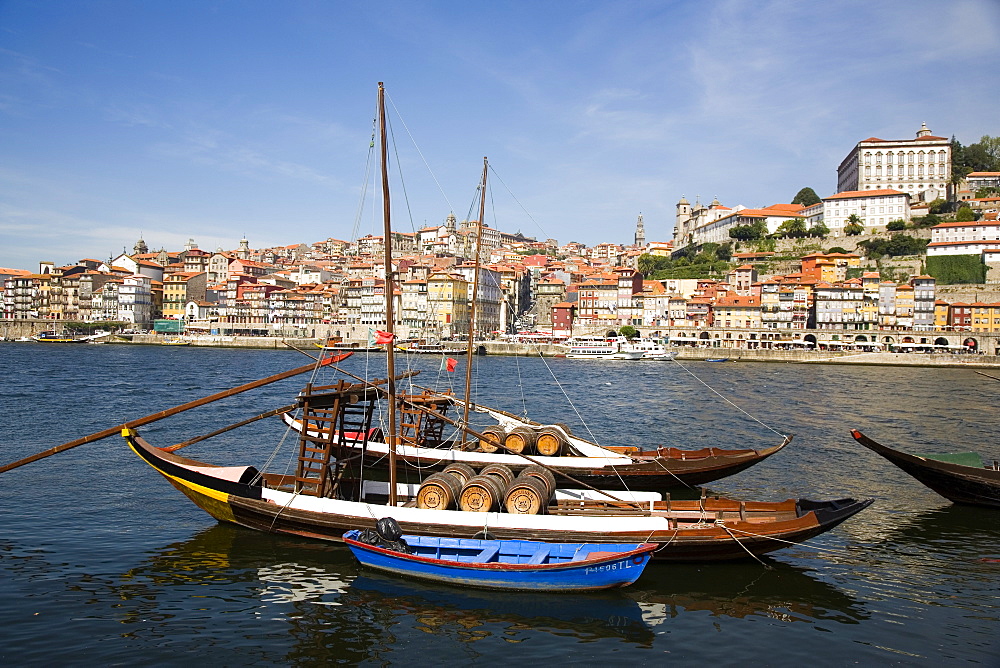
x=52 y=336
x=326 y=506
x=651 y=349
x=601 y=348
x=175 y=342
x=503 y=564
x=959 y=477
x=554 y=446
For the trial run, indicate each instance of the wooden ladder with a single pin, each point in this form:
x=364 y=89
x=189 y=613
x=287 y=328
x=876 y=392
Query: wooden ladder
x=335 y=429
x=418 y=427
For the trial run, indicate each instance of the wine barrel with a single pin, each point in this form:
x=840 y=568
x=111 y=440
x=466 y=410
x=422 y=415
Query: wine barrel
x=550 y=442
x=499 y=470
x=520 y=439
x=439 y=492
x=460 y=471
x=490 y=444
x=527 y=495
x=481 y=494
x=541 y=473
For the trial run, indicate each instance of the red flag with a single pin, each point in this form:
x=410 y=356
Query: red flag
x=449 y=364
x=383 y=337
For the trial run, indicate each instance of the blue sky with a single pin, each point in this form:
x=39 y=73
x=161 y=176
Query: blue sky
x=213 y=120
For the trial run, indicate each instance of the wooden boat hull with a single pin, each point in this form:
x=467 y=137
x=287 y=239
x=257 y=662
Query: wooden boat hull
x=615 y=566
x=657 y=470
x=969 y=485
x=708 y=530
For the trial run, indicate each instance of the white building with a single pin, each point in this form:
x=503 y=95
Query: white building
x=920 y=166
x=965 y=238
x=135 y=300
x=875 y=208
x=717 y=230
x=689 y=218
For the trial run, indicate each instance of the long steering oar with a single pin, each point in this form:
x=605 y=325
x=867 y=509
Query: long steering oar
x=173 y=411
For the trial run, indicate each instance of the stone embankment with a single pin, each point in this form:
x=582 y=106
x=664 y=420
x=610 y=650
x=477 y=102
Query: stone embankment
x=685 y=353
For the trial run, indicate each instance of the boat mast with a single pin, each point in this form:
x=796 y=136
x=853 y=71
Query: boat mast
x=475 y=296
x=389 y=316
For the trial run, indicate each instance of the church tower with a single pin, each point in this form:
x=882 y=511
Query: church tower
x=243 y=252
x=681 y=222
x=140 y=247
x=640 y=233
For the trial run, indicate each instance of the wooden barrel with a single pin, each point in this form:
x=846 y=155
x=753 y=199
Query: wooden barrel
x=460 y=471
x=483 y=493
x=520 y=439
x=527 y=495
x=499 y=470
x=550 y=442
x=439 y=492
x=542 y=474
x=488 y=445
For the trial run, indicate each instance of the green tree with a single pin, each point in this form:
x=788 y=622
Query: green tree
x=964 y=215
x=983 y=156
x=855 y=225
x=647 y=263
x=628 y=331
x=896 y=225
x=819 y=230
x=806 y=197
x=837 y=249
x=938 y=206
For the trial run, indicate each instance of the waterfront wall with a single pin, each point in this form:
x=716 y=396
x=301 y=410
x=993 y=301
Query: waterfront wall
x=987 y=342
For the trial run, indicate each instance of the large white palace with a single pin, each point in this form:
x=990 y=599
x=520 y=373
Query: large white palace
x=920 y=167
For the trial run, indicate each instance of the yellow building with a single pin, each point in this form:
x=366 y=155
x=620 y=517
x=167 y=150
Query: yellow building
x=448 y=304
x=737 y=311
x=985 y=317
x=940 y=314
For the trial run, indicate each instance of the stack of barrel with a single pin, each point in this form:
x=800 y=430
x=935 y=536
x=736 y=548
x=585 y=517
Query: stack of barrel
x=495 y=486
x=547 y=441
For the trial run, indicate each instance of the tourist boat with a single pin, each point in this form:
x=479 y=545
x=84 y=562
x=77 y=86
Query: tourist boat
x=52 y=336
x=503 y=564
x=960 y=477
x=651 y=350
x=423 y=447
x=600 y=348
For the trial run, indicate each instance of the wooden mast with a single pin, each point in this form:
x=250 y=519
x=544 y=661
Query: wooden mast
x=475 y=296
x=389 y=316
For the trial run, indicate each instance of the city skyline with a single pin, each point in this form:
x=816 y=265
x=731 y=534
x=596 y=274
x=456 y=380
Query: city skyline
x=219 y=121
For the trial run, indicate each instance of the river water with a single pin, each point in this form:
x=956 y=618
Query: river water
x=102 y=562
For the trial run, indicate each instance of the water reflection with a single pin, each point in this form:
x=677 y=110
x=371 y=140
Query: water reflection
x=773 y=590
x=470 y=614
x=318 y=588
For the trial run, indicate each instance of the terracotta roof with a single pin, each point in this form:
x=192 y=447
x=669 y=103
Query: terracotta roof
x=747 y=301
x=864 y=193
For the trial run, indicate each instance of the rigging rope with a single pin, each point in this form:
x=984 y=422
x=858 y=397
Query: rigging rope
x=716 y=393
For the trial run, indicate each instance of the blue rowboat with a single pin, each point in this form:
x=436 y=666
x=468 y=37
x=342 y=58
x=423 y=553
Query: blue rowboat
x=505 y=564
